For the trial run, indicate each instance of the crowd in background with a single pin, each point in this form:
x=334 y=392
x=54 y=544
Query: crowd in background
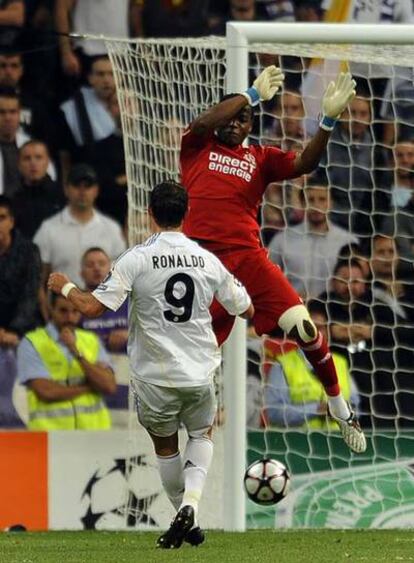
x=344 y=236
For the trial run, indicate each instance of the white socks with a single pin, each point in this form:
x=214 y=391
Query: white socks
x=338 y=407
x=171 y=472
x=197 y=459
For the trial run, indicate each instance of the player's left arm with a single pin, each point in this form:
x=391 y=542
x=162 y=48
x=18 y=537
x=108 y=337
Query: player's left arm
x=336 y=98
x=231 y=294
x=83 y=301
x=263 y=88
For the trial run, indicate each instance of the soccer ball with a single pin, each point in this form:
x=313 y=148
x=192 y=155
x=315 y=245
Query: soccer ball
x=266 y=481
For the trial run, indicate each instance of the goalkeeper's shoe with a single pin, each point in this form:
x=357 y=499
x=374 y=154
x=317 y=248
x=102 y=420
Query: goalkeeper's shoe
x=181 y=525
x=195 y=536
x=352 y=432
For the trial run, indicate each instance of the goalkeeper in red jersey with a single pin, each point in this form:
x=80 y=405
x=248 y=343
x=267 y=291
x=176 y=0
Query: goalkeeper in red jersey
x=225 y=182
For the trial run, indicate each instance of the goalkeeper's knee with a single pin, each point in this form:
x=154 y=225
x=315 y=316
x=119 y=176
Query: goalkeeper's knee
x=297 y=324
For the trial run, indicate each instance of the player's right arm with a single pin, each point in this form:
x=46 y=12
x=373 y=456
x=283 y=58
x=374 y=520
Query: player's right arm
x=264 y=88
x=110 y=293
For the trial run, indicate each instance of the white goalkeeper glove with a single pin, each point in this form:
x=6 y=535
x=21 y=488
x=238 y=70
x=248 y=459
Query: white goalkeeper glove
x=265 y=86
x=337 y=96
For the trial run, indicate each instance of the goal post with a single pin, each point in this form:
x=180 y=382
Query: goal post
x=162 y=85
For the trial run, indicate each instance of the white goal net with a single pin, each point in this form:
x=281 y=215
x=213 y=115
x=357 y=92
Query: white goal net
x=344 y=237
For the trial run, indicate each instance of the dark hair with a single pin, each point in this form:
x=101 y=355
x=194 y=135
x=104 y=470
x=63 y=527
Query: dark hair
x=53 y=297
x=94 y=60
x=93 y=249
x=351 y=263
x=11 y=54
x=317 y=307
x=6 y=203
x=352 y=250
x=34 y=142
x=405 y=138
x=319 y=177
x=8 y=92
x=168 y=202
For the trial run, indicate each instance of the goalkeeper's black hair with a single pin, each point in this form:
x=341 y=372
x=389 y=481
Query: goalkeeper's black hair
x=168 y=203
x=233 y=95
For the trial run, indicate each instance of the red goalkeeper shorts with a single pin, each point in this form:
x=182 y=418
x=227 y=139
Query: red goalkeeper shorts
x=270 y=291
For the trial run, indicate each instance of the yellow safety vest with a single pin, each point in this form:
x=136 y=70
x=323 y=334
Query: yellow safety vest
x=86 y=412
x=304 y=387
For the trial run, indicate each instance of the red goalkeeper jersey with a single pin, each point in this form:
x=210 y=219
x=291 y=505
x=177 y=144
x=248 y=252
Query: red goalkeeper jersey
x=225 y=187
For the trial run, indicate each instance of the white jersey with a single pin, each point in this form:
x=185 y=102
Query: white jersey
x=171 y=281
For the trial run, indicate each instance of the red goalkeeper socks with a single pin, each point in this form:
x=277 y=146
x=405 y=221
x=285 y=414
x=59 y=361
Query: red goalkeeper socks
x=319 y=356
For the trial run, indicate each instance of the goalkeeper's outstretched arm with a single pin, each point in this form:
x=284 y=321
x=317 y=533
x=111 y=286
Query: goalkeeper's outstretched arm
x=336 y=98
x=264 y=88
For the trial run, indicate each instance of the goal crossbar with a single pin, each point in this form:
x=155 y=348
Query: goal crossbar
x=238 y=34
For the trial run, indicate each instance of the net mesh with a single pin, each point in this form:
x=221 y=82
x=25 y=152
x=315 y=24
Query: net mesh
x=365 y=303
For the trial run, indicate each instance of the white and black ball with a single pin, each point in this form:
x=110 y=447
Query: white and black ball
x=266 y=481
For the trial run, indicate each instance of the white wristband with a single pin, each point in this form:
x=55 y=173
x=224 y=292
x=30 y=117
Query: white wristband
x=67 y=288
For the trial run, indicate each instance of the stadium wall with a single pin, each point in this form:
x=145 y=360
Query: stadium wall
x=82 y=480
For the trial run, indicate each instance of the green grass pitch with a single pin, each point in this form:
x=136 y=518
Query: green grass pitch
x=311 y=546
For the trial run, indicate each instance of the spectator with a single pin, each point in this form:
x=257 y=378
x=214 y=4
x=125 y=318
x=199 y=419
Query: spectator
x=86 y=117
x=350 y=164
x=66 y=371
x=360 y=254
x=350 y=326
x=276 y=10
x=108 y=160
x=39 y=197
x=250 y=10
x=293 y=397
x=348 y=305
x=403 y=166
x=172 y=18
x=19 y=285
x=111 y=326
x=106 y=17
x=392 y=335
x=400 y=225
x=287 y=131
x=397 y=106
x=12 y=13
x=39 y=51
x=390 y=286
x=273 y=212
x=376 y=339
x=112 y=329
x=307 y=252
x=12 y=137
x=308 y=11
x=34 y=117
x=63 y=238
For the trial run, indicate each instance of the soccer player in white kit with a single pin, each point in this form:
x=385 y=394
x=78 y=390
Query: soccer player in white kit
x=171 y=282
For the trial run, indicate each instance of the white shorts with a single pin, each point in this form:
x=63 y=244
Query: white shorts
x=161 y=410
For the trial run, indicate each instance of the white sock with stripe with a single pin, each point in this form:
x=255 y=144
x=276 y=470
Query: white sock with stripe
x=197 y=459
x=172 y=477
